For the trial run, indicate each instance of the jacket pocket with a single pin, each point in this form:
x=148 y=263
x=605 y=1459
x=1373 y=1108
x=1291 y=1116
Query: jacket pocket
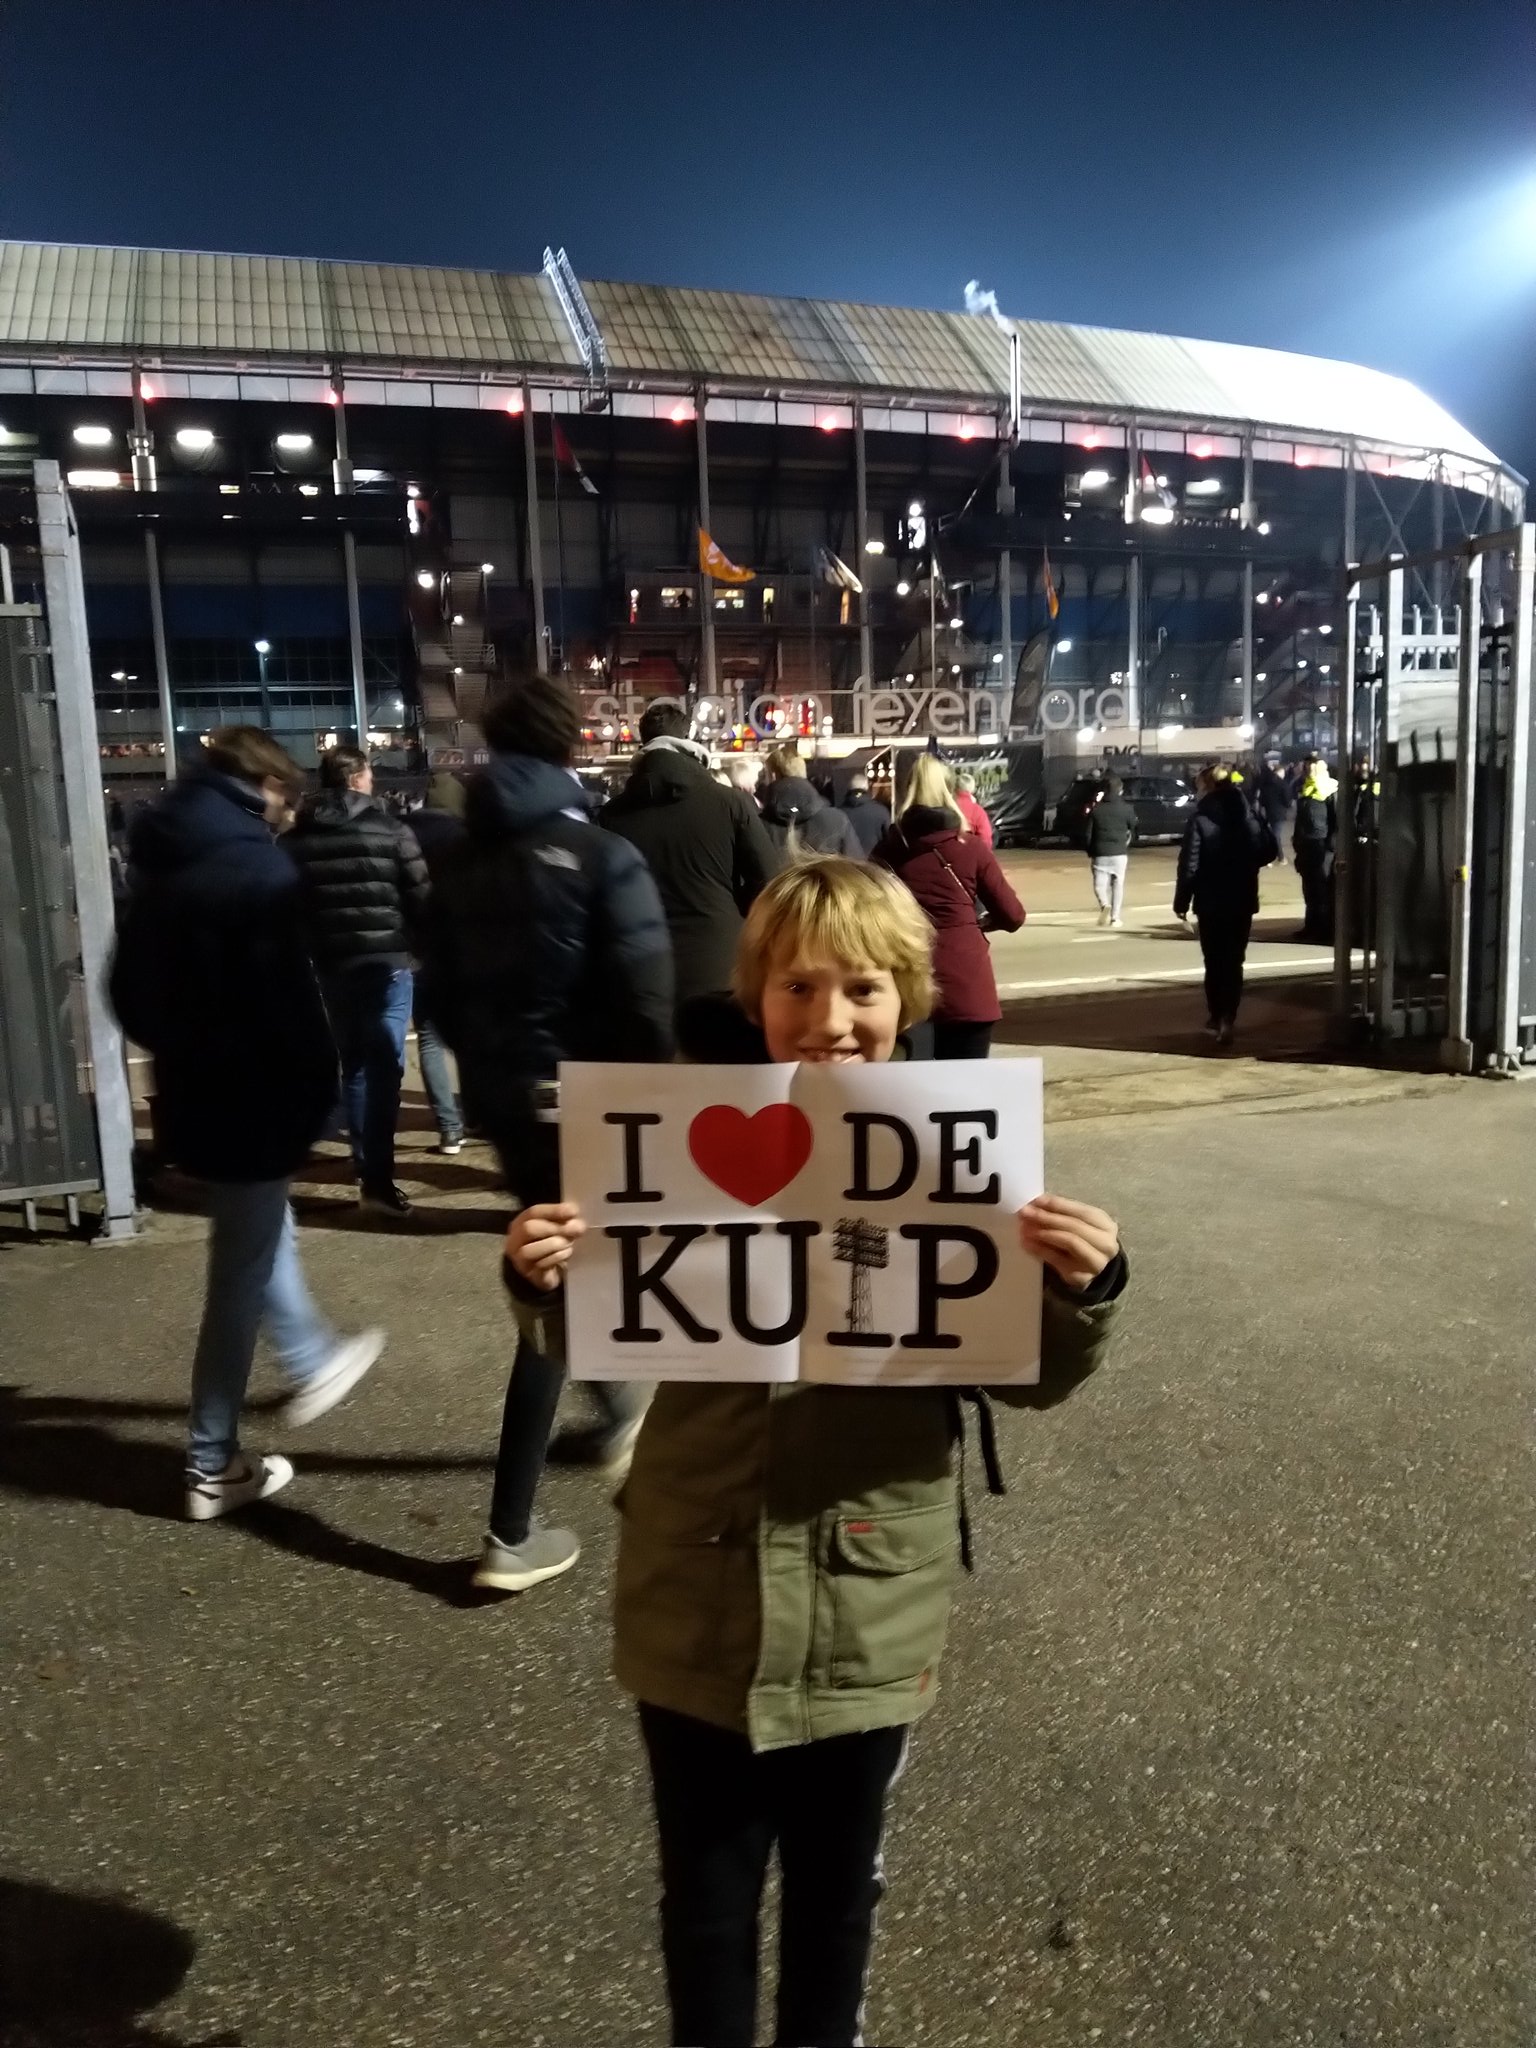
x=891 y=1578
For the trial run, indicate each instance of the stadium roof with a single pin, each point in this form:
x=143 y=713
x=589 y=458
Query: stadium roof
x=61 y=301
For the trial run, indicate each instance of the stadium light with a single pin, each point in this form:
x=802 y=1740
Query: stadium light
x=262 y=646
x=1203 y=486
x=874 y=547
x=1086 y=732
x=425 y=578
x=1157 y=515
x=1263 y=526
x=903 y=588
x=93 y=480
x=1063 y=646
x=309 y=490
x=487 y=568
x=293 y=444
x=1094 y=479
x=956 y=624
x=93 y=437
x=196 y=440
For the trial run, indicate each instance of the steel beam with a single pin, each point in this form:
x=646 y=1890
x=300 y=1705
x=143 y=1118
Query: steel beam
x=1456 y=1049
x=1507 y=1051
x=706 y=583
x=80 y=756
x=860 y=542
x=1344 y=840
x=342 y=473
x=1248 y=719
x=535 y=535
x=1133 y=644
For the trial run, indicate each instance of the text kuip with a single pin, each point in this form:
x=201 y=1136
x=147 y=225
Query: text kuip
x=836 y=1223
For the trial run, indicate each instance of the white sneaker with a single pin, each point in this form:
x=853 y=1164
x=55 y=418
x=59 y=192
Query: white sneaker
x=335 y=1379
x=243 y=1480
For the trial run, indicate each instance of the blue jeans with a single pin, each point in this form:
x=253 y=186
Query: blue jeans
x=254 y=1279
x=369 y=1006
x=435 y=1077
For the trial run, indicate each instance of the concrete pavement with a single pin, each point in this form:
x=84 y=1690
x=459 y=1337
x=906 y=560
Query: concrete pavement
x=1232 y=1736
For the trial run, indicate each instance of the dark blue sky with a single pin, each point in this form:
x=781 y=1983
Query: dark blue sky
x=1355 y=178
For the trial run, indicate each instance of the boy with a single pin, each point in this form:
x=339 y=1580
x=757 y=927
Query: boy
x=787 y=1554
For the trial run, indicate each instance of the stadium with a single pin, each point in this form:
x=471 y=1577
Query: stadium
x=324 y=496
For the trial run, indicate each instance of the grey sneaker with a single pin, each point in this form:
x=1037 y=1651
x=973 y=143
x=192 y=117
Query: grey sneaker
x=610 y=1450
x=543 y=1554
x=243 y=1480
x=335 y=1379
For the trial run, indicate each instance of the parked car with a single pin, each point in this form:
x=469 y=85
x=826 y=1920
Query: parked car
x=1162 y=804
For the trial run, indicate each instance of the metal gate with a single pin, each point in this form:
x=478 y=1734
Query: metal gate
x=65 y=1116
x=1435 y=879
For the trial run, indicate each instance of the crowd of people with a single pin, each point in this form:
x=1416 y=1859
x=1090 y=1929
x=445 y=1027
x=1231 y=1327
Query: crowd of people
x=271 y=950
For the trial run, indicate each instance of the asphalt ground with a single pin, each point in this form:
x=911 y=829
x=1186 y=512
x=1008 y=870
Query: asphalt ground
x=1232 y=1744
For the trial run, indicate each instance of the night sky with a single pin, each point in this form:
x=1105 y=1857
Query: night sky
x=1340 y=176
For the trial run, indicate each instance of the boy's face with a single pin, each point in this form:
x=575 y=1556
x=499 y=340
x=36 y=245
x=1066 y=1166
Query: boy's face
x=823 y=1011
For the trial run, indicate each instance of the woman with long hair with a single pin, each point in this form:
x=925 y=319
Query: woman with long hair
x=955 y=877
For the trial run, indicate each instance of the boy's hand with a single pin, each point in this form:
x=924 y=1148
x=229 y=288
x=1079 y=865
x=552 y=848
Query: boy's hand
x=1074 y=1239
x=540 y=1239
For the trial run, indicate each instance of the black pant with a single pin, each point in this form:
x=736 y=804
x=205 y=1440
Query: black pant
x=1224 y=944
x=719 y=1811
x=1315 y=867
x=952 y=1041
x=530 y=1162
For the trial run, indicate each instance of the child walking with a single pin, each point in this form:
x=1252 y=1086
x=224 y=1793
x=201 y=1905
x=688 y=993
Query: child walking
x=787 y=1554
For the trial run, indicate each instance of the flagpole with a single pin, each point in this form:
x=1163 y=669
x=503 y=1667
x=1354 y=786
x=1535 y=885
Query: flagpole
x=933 y=618
x=554 y=429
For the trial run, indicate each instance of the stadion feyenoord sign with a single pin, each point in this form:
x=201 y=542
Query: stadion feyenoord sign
x=889 y=712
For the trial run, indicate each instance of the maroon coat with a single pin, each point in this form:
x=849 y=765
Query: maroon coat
x=952 y=873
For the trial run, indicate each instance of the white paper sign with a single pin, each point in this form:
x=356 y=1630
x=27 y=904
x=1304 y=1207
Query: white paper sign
x=836 y=1223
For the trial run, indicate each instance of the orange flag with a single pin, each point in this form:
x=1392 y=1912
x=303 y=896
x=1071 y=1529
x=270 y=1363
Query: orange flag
x=1052 y=601
x=713 y=562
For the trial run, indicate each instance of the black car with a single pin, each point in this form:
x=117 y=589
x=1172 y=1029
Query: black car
x=1162 y=804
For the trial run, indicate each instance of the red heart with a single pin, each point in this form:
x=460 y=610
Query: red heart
x=751 y=1157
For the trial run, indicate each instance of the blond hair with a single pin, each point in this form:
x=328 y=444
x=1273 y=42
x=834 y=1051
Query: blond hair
x=930 y=789
x=844 y=910
x=783 y=764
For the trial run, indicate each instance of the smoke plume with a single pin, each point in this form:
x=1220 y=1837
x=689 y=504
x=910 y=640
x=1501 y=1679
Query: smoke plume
x=978 y=301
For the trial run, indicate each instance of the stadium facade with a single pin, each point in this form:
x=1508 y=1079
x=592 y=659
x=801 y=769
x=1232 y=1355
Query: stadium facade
x=322 y=495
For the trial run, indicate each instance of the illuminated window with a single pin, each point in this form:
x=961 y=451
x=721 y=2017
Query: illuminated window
x=730 y=601
x=676 y=597
x=768 y=597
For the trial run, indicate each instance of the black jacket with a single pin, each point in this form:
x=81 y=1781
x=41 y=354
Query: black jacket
x=1111 y=827
x=1317 y=821
x=365 y=882
x=800 y=820
x=708 y=855
x=436 y=833
x=1272 y=794
x=868 y=817
x=1224 y=847
x=213 y=977
x=546 y=942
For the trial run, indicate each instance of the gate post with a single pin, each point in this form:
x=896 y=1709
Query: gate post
x=86 y=824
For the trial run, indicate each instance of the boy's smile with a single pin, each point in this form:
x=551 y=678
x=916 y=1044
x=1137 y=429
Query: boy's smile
x=824 y=1012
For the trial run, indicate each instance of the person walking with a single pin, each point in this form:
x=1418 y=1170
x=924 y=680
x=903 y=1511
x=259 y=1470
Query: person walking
x=1313 y=840
x=865 y=812
x=1111 y=834
x=366 y=894
x=973 y=812
x=798 y=817
x=706 y=847
x=439 y=826
x=955 y=878
x=547 y=943
x=1225 y=845
x=213 y=978
x=1272 y=795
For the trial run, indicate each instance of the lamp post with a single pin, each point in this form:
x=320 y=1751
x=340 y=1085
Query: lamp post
x=263 y=649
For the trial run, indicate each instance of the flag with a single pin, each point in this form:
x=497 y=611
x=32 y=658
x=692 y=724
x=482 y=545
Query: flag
x=714 y=562
x=834 y=570
x=1154 y=489
x=566 y=454
x=1052 y=600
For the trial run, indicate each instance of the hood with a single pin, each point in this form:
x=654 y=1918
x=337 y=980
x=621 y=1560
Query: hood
x=334 y=808
x=857 y=798
x=516 y=793
x=202 y=811
x=922 y=821
x=791 y=798
x=662 y=775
